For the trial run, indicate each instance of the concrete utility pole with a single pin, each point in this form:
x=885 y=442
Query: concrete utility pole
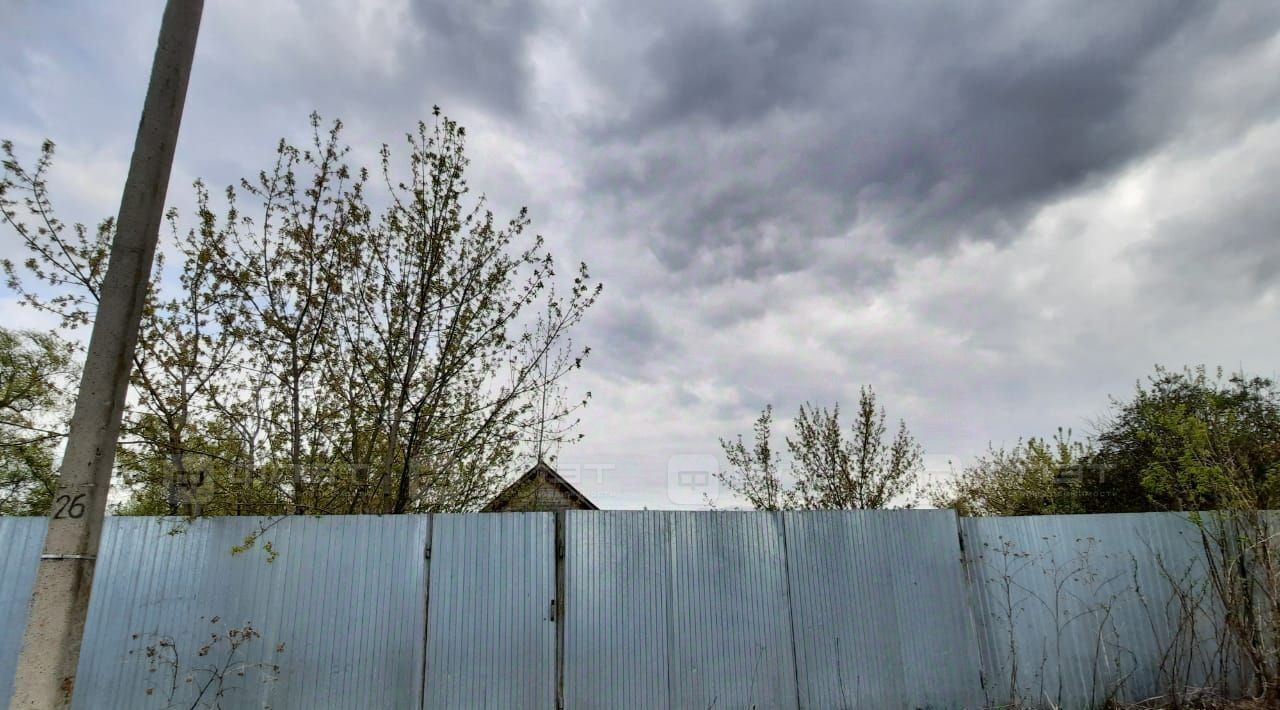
x=60 y=599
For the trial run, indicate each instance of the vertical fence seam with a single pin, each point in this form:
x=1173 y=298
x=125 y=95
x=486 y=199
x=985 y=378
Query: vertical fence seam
x=791 y=603
x=426 y=609
x=971 y=608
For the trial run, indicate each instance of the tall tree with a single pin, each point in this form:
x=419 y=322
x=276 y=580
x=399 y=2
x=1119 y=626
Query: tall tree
x=829 y=469
x=456 y=328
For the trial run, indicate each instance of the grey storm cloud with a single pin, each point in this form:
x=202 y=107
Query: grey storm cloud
x=631 y=336
x=1228 y=253
x=996 y=213
x=483 y=46
x=945 y=120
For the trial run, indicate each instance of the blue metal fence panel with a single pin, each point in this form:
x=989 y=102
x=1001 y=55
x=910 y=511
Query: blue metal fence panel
x=491 y=638
x=340 y=611
x=1075 y=609
x=879 y=612
x=659 y=609
x=21 y=540
x=617 y=609
x=730 y=633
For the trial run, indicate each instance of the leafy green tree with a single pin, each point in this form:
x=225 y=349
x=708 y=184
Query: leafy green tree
x=829 y=468
x=1188 y=441
x=34 y=370
x=1033 y=477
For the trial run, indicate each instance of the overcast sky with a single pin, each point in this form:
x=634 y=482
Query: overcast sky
x=994 y=213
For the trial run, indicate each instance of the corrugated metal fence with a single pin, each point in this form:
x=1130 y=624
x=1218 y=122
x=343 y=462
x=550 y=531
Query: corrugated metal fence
x=1092 y=607
x=20 y=543
x=875 y=609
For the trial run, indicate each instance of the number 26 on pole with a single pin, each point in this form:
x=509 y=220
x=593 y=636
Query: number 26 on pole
x=69 y=506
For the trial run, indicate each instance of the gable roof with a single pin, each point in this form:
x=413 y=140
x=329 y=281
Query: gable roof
x=544 y=473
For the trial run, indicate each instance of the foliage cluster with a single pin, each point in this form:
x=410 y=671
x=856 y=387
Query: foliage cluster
x=1187 y=440
x=34 y=373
